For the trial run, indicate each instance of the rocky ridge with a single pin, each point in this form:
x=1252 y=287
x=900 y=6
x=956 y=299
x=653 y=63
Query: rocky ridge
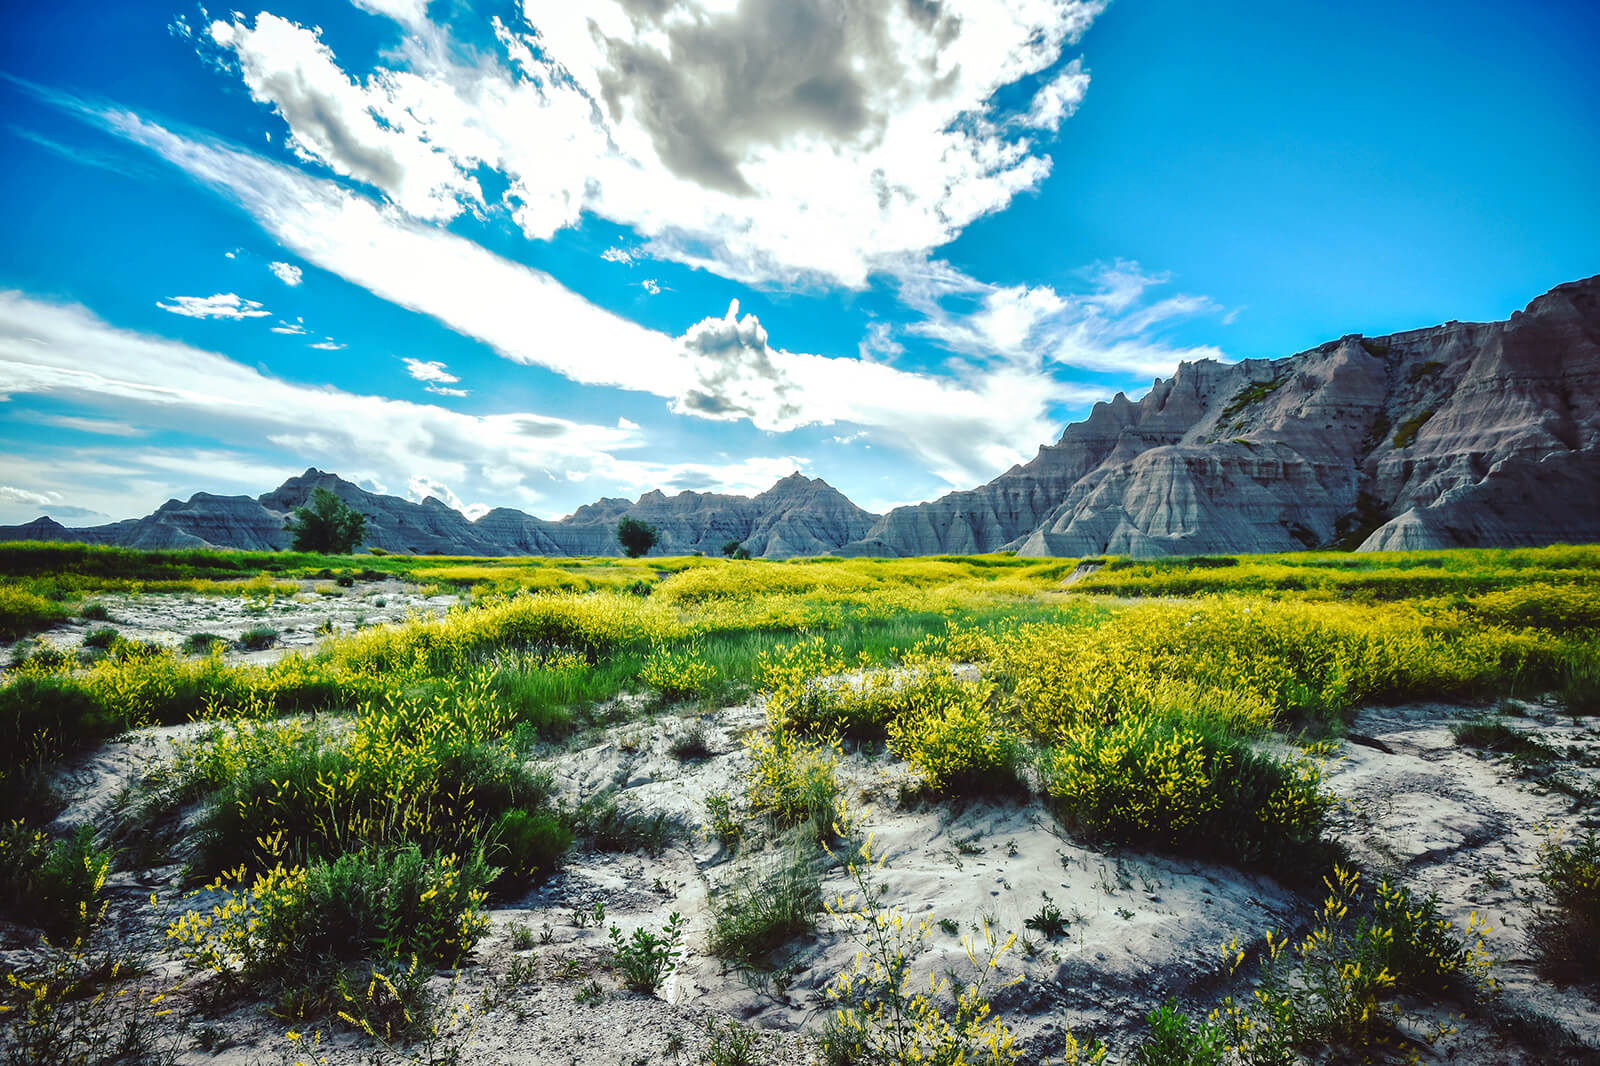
x=1459 y=435
x=797 y=516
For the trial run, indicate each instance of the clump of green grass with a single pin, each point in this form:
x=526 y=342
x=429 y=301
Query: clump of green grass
x=1491 y=734
x=258 y=638
x=601 y=823
x=94 y=611
x=101 y=638
x=691 y=744
x=761 y=910
x=203 y=643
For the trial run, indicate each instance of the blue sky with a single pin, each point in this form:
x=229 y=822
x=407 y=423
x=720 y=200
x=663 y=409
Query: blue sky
x=492 y=252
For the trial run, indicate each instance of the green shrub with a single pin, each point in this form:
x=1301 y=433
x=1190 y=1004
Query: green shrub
x=647 y=959
x=103 y=637
x=1564 y=933
x=308 y=934
x=527 y=845
x=1406 y=433
x=761 y=910
x=257 y=638
x=43 y=717
x=54 y=885
x=94 y=611
x=956 y=743
x=1175 y=1040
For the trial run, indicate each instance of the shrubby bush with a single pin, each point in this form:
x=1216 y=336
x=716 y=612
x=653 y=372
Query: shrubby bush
x=303 y=933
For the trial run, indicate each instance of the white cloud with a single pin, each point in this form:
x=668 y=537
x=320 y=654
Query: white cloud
x=651 y=286
x=444 y=390
x=103 y=427
x=429 y=370
x=624 y=423
x=617 y=255
x=67 y=353
x=962 y=428
x=328 y=344
x=287 y=273
x=334 y=121
x=1059 y=98
x=222 y=305
x=12 y=494
x=765 y=140
x=297 y=328
x=1110 y=329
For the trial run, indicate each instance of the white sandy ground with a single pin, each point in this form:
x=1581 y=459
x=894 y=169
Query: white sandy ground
x=1434 y=816
x=166 y=618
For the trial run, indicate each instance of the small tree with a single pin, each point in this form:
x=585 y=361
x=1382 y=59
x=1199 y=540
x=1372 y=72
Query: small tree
x=731 y=548
x=636 y=537
x=328 y=525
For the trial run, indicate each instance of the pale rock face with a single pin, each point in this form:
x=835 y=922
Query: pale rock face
x=1465 y=434
x=1310 y=451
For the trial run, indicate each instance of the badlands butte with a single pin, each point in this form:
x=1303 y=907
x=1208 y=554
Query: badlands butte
x=1460 y=435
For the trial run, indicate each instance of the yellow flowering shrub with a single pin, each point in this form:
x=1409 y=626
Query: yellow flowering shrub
x=677 y=674
x=791 y=777
x=1171 y=784
x=954 y=740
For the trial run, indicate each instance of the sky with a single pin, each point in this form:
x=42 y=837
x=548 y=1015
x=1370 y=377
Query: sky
x=533 y=254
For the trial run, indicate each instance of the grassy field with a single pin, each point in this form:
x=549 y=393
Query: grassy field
x=1130 y=698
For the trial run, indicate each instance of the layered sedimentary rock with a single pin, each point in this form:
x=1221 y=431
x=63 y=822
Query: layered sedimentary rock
x=1460 y=435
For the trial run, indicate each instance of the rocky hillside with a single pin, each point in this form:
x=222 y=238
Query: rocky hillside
x=1459 y=435
x=797 y=516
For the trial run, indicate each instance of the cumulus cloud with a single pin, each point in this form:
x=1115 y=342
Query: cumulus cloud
x=617 y=255
x=766 y=140
x=328 y=344
x=222 y=305
x=287 y=273
x=732 y=375
x=429 y=370
x=297 y=328
x=651 y=286
x=1058 y=98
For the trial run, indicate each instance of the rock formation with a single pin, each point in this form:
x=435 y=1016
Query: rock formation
x=1463 y=434
x=797 y=516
